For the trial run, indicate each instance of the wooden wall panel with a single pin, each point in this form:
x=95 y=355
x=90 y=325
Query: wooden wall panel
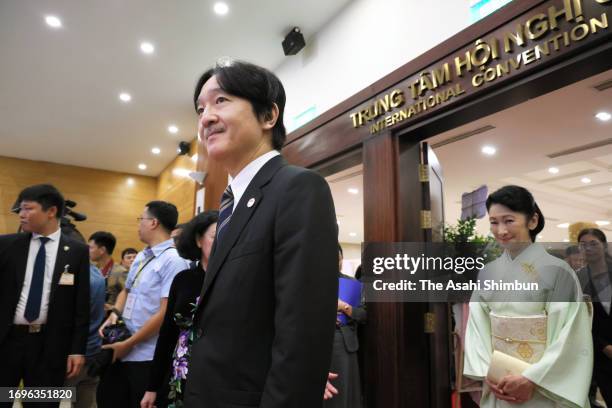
x=216 y=180
x=105 y=196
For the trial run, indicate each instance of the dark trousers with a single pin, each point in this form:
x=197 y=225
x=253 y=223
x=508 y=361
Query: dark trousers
x=348 y=383
x=22 y=359
x=123 y=384
x=603 y=377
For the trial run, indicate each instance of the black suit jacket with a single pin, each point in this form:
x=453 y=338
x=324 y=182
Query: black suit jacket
x=68 y=314
x=265 y=325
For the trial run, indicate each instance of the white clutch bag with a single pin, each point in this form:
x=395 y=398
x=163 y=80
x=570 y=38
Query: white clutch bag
x=518 y=342
x=502 y=365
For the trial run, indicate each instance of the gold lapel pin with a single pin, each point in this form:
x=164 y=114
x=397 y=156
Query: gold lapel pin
x=66 y=248
x=251 y=202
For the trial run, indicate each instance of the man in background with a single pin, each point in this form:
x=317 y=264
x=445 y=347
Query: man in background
x=115 y=282
x=85 y=383
x=127 y=257
x=101 y=247
x=44 y=296
x=142 y=305
x=574 y=257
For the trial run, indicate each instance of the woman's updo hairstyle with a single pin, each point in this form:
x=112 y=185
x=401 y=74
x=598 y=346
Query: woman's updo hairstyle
x=192 y=231
x=520 y=200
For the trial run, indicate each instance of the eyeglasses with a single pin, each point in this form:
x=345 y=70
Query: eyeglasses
x=139 y=219
x=590 y=244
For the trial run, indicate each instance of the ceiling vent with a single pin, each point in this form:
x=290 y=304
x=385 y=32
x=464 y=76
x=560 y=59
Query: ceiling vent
x=582 y=148
x=604 y=85
x=462 y=136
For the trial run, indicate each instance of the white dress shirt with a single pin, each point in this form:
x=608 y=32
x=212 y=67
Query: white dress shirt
x=51 y=248
x=243 y=179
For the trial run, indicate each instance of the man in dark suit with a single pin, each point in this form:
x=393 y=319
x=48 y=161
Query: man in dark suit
x=265 y=323
x=44 y=296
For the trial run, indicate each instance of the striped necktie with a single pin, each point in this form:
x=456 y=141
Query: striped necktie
x=225 y=211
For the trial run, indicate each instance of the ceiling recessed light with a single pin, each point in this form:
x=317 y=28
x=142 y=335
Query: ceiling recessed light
x=130 y=181
x=540 y=236
x=564 y=225
x=602 y=223
x=53 y=21
x=156 y=150
x=603 y=116
x=585 y=180
x=566 y=240
x=353 y=190
x=125 y=97
x=489 y=150
x=553 y=170
x=221 y=8
x=352 y=234
x=147 y=47
x=172 y=129
x=142 y=166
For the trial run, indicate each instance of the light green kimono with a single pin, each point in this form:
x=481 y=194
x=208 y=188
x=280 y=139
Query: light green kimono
x=563 y=374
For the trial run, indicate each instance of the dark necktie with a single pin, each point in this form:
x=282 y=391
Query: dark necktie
x=32 y=310
x=225 y=211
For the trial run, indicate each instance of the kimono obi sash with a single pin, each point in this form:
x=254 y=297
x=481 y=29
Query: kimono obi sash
x=522 y=337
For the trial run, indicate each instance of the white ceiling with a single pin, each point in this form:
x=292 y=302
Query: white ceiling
x=524 y=135
x=60 y=87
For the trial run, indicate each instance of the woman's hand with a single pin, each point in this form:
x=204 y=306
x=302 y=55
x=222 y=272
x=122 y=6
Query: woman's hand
x=608 y=351
x=345 y=308
x=518 y=387
x=148 y=401
x=499 y=393
x=330 y=390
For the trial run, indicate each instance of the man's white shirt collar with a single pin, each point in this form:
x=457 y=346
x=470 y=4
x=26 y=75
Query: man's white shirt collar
x=243 y=179
x=53 y=237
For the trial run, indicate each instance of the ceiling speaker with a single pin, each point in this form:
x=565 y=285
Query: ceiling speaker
x=293 y=42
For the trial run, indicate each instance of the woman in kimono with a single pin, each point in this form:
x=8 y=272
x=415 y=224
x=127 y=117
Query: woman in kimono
x=553 y=331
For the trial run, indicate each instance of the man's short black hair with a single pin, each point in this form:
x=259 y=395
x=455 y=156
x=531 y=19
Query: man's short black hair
x=164 y=212
x=572 y=250
x=44 y=194
x=104 y=239
x=186 y=242
x=127 y=251
x=257 y=85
